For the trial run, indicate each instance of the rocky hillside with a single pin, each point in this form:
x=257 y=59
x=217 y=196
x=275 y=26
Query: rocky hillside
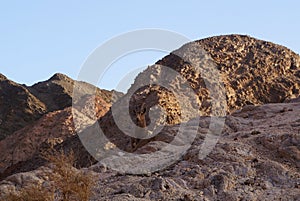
x=257 y=158
x=251 y=72
x=257 y=155
x=50 y=130
x=21 y=105
x=18 y=107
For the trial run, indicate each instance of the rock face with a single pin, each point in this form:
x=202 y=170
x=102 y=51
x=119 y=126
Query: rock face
x=254 y=72
x=21 y=105
x=250 y=72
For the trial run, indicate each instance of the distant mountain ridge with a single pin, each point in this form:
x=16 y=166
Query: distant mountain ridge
x=21 y=105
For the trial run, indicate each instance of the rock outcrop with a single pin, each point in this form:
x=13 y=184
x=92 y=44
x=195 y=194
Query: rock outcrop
x=253 y=72
x=238 y=70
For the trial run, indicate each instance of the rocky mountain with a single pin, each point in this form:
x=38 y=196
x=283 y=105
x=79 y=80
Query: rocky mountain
x=253 y=72
x=21 y=105
x=238 y=70
x=57 y=92
x=252 y=84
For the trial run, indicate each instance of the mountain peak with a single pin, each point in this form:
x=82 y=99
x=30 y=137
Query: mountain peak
x=2 y=77
x=59 y=76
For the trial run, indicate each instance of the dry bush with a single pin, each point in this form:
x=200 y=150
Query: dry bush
x=66 y=182
x=71 y=183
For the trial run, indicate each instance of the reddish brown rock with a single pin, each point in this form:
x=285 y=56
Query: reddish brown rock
x=21 y=105
x=252 y=71
x=52 y=129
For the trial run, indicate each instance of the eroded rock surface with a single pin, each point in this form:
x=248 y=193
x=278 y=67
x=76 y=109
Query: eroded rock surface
x=256 y=158
x=235 y=71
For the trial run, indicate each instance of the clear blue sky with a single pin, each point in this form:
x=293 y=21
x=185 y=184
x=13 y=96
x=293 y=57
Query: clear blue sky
x=39 y=38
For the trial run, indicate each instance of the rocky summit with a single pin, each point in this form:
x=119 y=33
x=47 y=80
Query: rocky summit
x=250 y=84
x=241 y=71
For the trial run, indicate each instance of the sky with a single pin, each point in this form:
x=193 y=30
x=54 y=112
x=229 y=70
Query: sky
x=40 y=38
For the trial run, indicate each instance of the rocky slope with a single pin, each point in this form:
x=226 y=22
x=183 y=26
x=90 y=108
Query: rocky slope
x=257 y=158
x=250 y=72
x=57 y=92
x=18 y=107
x=26 y=144
x=21 y=105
